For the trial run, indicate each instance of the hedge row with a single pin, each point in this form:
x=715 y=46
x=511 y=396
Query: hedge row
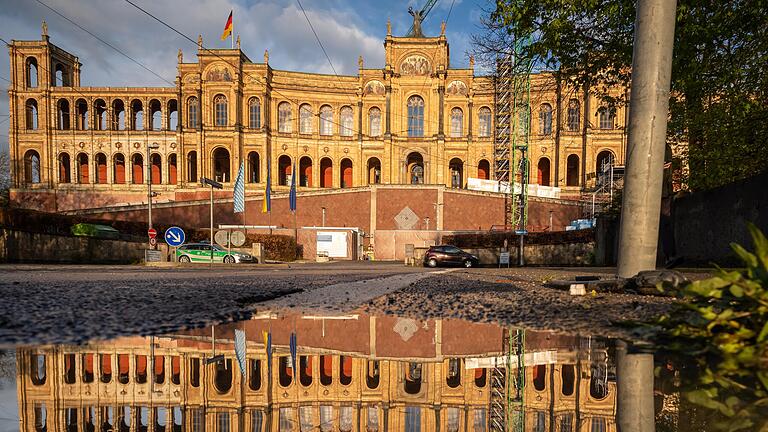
x=277 y=247
x=496 y=239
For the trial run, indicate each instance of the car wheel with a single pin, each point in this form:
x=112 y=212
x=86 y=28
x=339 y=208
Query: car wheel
x=432 y=262
x=229 y=259
x=184 y=259
x=468 y=263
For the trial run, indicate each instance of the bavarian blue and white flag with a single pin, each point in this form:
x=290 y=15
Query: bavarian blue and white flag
x=240 y=349
x=239 y=196
x=292 y=194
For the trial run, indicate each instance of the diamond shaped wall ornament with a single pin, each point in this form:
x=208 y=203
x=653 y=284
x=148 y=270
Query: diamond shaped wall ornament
x=406 y=219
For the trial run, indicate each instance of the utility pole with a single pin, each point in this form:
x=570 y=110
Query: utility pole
x=648 y=111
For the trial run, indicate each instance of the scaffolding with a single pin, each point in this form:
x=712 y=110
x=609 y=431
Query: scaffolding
x=508 y=385
x=512 y=94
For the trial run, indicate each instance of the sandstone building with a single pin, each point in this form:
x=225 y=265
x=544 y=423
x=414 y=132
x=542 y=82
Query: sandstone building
x=417 y=120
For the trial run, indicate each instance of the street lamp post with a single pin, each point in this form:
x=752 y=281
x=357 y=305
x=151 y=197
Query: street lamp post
x=323 y=223
x=214 y=185
x=150 y=146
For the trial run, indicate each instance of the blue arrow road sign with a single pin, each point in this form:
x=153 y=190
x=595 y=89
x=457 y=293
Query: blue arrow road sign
x=174 y=236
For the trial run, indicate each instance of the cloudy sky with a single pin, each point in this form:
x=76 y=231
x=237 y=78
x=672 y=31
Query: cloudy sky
x=347 y=28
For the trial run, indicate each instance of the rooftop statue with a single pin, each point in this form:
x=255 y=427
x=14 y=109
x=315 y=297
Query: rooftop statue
x=417 y=18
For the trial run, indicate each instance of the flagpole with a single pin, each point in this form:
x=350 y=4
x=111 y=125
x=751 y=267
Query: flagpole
x=232 y=34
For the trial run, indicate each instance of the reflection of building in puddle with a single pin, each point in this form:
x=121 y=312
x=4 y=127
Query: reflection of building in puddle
x=354 y=373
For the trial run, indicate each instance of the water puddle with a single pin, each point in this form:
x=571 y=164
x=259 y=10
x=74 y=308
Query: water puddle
x=284 y=371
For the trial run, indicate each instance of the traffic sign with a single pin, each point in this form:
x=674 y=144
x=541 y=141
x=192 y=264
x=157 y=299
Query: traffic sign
x=152 y=233
x=521 y=232
x=237 y=238
x=504 y=258
x=174 y=236
x=222 y=237
x=153 y=242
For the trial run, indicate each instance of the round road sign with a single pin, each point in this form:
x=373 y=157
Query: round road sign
x=222 y=238
x=174 y=236
x=153 y=242
x=237 y=238
x=152 y=233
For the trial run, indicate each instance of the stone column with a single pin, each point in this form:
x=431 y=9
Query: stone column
x=388 y=130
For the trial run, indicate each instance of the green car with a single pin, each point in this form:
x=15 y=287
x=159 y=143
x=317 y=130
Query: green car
x=201 y=252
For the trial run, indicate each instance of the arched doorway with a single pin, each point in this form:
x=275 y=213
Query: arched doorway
x=305 y=172
x=82 y=168
x=345 y=180
x=65 y=175
x=172 y=169
x=137 y=169
x=415 y=168
x=157 y=169
x=284 y=170
x=543 y=175
x=326 y=173
x=253 y=167
x=484 y=170
x=118 y=169
x=604 y=160
x=572 y=171
x=101 y=168
x=374 y=171
x=221 y=165
x=192 y=166
x=456 y=169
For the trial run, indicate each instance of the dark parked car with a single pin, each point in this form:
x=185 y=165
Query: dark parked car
x=449 y=255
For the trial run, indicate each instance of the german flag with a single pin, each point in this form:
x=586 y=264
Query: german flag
x=227 y=28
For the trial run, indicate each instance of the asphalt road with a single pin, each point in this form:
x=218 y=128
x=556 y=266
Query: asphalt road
x=74 y=304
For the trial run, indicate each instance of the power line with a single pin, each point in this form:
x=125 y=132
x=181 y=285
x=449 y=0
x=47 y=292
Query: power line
x=103 y=41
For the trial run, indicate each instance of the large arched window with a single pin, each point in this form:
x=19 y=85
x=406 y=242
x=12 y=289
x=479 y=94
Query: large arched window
x=606 y=116
x=221 y=165
x=326 y=120
x=173 y=115
x=253 y=167
x=31 y=71
x=61 y=76
x=137 y=115
x=457 y=122
x=456 y=168
x=118 y=169
x=484 y=122
x=81 y=114
x=99 y=115
x=193 y=112
x=574 y=115
x=32 y=166
x=542 y=177
x=254 y=113
x=545 y=119
x=118 y=115
x=415 y=116
x=345 y=115
x=284 y=117
x=374 y=122
x=220 y=110
x=305 y=119
x=62 y=114
x=31 y=111
x=572 y=171
x=65 y=175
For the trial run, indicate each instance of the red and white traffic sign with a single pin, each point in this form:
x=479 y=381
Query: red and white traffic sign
x=152 y=233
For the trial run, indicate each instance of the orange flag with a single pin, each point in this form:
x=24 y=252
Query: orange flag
x=227 y=28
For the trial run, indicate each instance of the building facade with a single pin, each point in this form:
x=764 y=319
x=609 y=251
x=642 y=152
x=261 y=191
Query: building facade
x=416 y=120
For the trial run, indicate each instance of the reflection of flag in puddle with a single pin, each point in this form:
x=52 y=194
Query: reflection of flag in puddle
x=240 y=349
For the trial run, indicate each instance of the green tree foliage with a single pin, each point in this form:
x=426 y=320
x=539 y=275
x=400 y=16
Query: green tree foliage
x=719 y=98
x=721 y=336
